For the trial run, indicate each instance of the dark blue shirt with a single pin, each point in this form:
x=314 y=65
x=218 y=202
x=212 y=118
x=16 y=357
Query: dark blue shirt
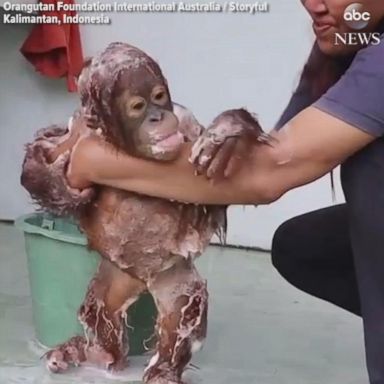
x=357 y=98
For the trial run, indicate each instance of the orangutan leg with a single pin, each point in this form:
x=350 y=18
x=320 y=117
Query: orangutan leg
x=103 y=314
x=182 y=301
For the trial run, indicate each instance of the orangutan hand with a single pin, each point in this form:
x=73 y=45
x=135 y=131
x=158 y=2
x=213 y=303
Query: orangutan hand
x=44 y=177
x=220 y=148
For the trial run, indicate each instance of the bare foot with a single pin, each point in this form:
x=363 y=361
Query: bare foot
x=64 y=355
x=75 y=351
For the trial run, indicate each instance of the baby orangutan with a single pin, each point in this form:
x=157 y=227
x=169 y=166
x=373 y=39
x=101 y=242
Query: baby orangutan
x=146 y=243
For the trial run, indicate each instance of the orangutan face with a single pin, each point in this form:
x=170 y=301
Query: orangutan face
x=147 y=122
x=126 y=92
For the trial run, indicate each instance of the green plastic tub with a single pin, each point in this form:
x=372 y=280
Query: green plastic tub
x=60 y=268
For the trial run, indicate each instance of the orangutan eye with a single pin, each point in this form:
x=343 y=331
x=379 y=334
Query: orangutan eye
x=138 y=106
x=159 y=95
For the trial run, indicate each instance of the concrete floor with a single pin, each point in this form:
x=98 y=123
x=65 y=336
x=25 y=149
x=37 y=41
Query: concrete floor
x=261 y=330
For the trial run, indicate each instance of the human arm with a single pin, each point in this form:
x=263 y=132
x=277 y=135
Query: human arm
x=317 y=141
x=343 y=121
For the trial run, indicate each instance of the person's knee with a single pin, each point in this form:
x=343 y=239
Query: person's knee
x=283 y=248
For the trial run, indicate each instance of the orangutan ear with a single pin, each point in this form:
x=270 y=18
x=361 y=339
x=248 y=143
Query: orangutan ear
x=87 y=61
x=189 y=127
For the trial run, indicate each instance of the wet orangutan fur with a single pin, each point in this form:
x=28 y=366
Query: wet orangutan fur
x=146 y=243
x=44 y=180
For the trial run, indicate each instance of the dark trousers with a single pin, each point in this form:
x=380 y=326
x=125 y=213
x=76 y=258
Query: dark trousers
x=314 y=252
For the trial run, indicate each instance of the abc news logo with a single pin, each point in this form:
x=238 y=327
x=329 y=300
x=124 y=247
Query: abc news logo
x=357 y=19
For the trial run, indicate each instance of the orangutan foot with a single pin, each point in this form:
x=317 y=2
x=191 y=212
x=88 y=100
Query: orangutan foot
x=75 y=351
x=64 y=355
x=162 y=378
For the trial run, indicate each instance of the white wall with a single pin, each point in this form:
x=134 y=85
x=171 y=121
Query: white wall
x=212 y=62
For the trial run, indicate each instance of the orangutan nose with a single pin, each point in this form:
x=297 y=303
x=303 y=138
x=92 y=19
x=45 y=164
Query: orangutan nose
x=156 y=116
